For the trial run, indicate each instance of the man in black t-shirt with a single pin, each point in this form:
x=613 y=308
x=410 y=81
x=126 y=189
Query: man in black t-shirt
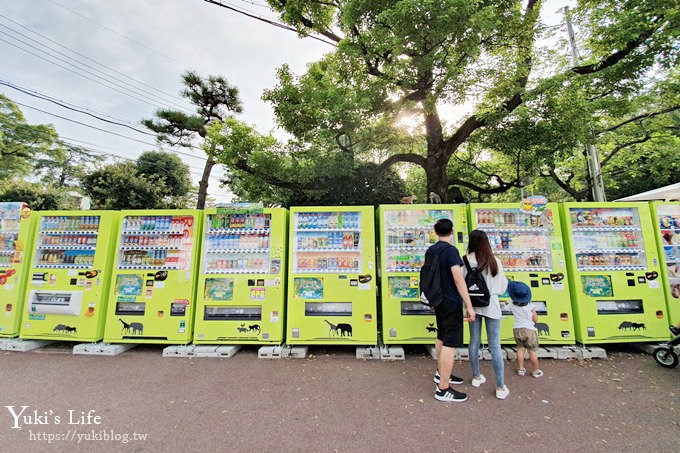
x=449 y=312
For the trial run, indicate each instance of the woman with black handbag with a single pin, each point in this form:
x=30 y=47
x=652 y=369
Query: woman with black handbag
x=480 y=258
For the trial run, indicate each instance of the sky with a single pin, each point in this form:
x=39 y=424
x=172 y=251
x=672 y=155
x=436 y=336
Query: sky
x=122 y=60
x=144 y=47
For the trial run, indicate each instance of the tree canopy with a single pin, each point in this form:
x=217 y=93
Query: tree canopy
x=492 y=103
x=157 y=180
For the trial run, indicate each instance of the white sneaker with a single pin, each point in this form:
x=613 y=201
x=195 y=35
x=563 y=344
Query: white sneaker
x=502 y=394
x=477 y=381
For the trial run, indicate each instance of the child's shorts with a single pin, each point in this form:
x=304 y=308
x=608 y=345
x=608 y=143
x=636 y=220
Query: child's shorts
x=526 y=338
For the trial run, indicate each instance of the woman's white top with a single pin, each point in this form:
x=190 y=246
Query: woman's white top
x=497 y=285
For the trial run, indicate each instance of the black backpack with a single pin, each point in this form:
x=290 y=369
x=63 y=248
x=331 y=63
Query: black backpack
x=431 y=292
x=476 y=285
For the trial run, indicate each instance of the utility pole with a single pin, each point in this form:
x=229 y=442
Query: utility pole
x=594 y=170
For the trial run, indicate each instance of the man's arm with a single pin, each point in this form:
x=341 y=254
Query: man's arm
x=459 y=280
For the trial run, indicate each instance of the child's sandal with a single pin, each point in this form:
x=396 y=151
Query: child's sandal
x=521 y=371
x=537 y=374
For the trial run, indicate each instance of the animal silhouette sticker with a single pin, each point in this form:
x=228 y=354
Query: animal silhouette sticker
x=62 y=328
x=133 y=328
x=254 y=328
x=341 y=329
x=430 y=328
x=631 y=326
x=542 y=329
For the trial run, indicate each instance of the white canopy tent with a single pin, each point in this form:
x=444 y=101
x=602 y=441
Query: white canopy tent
x=668 y=193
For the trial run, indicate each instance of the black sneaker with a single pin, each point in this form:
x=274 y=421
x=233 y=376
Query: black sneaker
x=450 y=395
x=674 y=330
x=452 y=380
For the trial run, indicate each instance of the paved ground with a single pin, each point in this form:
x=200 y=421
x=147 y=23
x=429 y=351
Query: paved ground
x=330 y=402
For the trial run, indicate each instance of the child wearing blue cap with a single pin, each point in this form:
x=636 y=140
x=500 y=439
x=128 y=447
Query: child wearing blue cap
x=524 y=329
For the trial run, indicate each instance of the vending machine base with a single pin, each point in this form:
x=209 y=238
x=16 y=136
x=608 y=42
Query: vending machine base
x=390 y=352
x=17 y=344
x=101 y=348
x=202 y=351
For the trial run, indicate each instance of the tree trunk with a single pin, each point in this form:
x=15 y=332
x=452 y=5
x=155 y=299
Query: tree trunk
x=437 y=180
x=203 y=185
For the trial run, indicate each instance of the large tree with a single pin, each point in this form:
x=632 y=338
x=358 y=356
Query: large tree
x=21 y=144
x=157 y=180
x=214 y=99
x=411 y=61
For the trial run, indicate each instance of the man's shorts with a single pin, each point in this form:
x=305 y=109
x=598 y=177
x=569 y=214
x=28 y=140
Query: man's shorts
x=526 y=338
x=449 y=315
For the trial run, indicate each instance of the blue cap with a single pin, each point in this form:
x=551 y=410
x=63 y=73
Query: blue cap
x=519 y=292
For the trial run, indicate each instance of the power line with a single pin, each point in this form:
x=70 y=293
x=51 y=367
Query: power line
x=71 y=103
x=120 y=34
x=7 y=84
x=265 y=20
x=106 y=131
x=108 y=78
x=78 y=74
x=92 y=60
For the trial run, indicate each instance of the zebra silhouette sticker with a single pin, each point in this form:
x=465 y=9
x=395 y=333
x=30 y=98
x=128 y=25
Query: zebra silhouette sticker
x=133 y=328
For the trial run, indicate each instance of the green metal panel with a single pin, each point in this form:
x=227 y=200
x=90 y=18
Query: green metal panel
x=16 y=240
x=531 y=251
x=67 y=293
x=616 y=282
x=666 y=221
x=332 y=276
x=406 y=232
x=242 y=282
x=153 y=289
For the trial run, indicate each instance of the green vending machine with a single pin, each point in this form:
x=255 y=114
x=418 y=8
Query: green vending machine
x=241 y=285
x=666 y=217
x=616 y=283
x=406 y=232
x=16 y=236
x=152 y=296
x=68 y=290
x=331 y=276
x=527 y=238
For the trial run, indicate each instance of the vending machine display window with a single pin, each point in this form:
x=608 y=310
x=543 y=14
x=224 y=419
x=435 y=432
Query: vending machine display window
x=521 y=241
x=327 y=242
x=66 y=242
x=607 y=239
x=237 y=243
x=161 y=242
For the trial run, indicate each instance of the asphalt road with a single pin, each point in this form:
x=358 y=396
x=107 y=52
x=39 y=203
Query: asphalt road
x=329 y=402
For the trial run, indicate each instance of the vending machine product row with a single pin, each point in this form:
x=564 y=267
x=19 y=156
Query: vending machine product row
x=241 y=285
x=666 y=216
x=16 y=239
x=70 y=275
x=616 y=282
x=527 y=240
x=332 y=276
x=152 y=295
x=406 y=232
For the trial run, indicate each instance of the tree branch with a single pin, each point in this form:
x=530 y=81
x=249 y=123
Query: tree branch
x=641 y=117
x=619 y=55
